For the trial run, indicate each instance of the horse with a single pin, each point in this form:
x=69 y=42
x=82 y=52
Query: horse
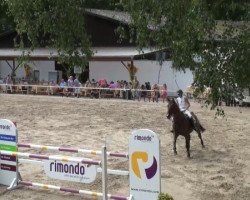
x=182 y=125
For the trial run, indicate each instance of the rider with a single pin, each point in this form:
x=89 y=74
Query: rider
x=184 y=105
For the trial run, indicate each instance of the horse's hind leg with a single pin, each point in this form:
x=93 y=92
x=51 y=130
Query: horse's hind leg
x=199 y=134
x=174 y=144
x=188 y=145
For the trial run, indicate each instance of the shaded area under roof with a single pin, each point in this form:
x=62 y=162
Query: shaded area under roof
x=99 y=54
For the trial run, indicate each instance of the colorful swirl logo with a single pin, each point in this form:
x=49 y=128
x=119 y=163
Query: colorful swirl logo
x=150 y=172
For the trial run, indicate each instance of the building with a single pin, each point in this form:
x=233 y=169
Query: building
x=108 y=59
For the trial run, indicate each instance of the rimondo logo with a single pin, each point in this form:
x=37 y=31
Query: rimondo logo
x=150 y=172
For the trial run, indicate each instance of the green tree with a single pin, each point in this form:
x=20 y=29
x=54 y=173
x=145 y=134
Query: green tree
x=57 y=24
x=6 y=22
x=54 y=24
x=204 y=29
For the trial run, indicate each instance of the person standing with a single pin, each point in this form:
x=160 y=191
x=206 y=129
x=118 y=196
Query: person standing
x=77 y=86
x=155 y=93
x=70 y=85
x=135 y=86
x=8 y=82
x=164 y=93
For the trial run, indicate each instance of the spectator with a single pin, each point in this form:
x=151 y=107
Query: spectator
x=95 y=92
x=148 y=87
x=135 y=86
x=77 y=86
x=8 y=82
x=143 y=92
x=93 y=81
x=103 y=83
x=70 y=85
x=164 y=92
x=155 y=93
x=126 y=90
x=62 y=86
x=51 y=89
x=118 y=87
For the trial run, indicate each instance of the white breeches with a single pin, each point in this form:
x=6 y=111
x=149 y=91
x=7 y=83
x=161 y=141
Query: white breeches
x=188 y=113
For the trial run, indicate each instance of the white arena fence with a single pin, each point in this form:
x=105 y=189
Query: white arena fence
x=143 y=158
x=84 y=91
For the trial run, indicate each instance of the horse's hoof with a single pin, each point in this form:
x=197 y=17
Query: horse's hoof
x=175 y=153
x=203 y=147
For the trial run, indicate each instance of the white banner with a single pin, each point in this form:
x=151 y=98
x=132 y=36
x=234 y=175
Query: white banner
x=8 y=142
x=144 y=165
x=70 y=171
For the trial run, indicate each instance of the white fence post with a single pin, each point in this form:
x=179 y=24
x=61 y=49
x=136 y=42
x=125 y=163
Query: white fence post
x=104 y=173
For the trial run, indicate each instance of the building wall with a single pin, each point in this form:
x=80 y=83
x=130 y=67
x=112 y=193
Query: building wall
x=148 y=71
x=44 y=68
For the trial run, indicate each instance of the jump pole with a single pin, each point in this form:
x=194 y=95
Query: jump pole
x=46 y=157
x=71 y=150
x=83 y=192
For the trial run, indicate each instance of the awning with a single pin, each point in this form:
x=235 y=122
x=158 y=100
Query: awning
x=100 y=54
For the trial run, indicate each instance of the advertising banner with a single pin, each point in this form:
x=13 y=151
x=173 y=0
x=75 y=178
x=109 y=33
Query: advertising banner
x=8 y=142
x=70 y=171
x=144 y=165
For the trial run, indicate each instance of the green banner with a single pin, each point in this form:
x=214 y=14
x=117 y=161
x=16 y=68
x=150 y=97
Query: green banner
x=6 y=147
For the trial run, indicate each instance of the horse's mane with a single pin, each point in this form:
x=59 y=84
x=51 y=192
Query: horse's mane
x=176 y=104
x=173 y=105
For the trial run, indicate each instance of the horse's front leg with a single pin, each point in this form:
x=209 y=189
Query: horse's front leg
x=188 y=145
x=174 y=143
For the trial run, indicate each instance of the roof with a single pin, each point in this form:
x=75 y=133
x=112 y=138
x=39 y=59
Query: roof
x=114 y=15
x=100 y=53
x=121 y=16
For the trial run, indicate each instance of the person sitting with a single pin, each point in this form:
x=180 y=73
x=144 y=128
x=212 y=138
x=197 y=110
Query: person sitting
x=52 y=89
x=62 y=87
x=102 y=83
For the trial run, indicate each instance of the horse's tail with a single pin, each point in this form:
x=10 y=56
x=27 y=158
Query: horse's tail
x=197 y=124
x=202 y=128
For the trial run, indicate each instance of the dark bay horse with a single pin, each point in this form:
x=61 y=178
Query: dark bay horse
x=182 y=125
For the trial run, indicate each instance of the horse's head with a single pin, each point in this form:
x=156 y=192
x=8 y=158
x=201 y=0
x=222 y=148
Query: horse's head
x=172 y=108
